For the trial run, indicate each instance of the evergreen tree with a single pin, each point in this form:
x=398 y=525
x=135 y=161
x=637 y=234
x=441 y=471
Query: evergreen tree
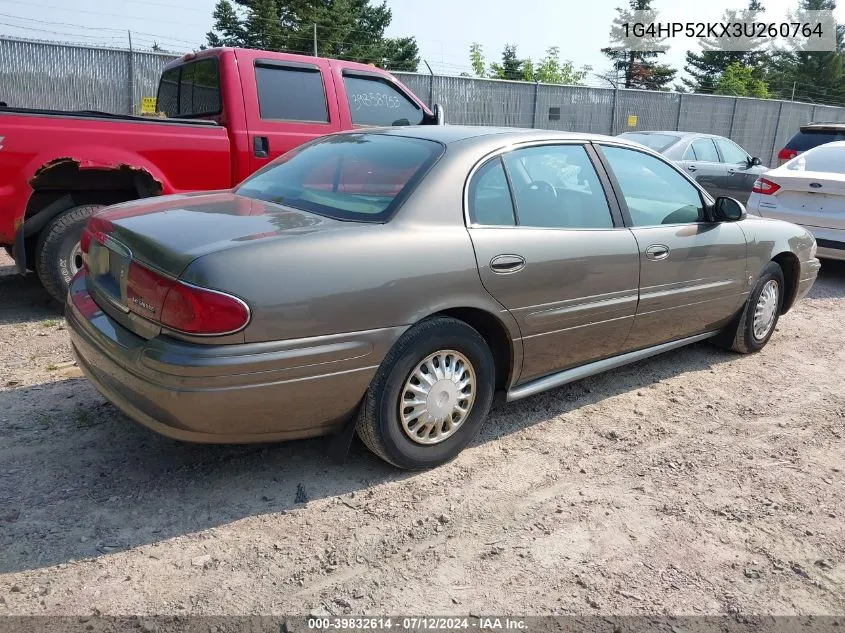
x=511 y=67
x=639 y=68
x=346 y=29
x=706 y=67
x=815 y=76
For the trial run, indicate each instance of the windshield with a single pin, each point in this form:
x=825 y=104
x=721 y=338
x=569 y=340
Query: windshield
x=657 y=142
x=824 y=158
x=361 y=177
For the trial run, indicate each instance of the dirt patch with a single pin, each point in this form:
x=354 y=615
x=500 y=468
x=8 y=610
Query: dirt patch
x=697 y=482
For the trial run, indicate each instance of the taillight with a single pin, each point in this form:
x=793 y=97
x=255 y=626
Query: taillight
x=96 y=229
x=183 y=307
x=765 y=186
x=786 y=154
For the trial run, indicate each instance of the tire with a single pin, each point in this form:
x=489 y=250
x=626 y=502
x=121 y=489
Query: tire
x=741 y=335
x=380 y=425
x=54 y=251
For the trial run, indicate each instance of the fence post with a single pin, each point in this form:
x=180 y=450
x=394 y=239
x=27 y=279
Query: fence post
x=680 y=109
x=131 y=75
x=775 y=136
x=733 y=118
x=613 y=111
x=534 y=115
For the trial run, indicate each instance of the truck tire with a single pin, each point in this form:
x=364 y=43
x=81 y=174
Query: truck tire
x=57 y=254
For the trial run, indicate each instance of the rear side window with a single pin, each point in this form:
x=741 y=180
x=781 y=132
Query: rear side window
x=825 y=159
x=374 y=101
x=490 y=201
x=704 y=150
x=358 y=177
x=190 y=90
x=291 y=94
x=808 y=139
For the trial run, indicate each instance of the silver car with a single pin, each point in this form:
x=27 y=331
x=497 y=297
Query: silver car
x=390 y=281
x=718 y=164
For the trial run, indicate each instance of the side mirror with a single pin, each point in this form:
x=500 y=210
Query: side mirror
x=439 y=114
x=729 y=210
x=755 y=162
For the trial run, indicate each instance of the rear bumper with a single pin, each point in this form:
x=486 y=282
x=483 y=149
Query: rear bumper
x=225 y=393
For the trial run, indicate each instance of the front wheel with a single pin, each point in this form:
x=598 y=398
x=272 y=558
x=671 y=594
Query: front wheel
x=756 y=323
x=430 y=396
x=57 y=254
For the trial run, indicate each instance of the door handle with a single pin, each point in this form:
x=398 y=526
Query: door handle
x=503 y=264
x=656 y=252
x=731 y=170
x=261 y=146
x=692 y=168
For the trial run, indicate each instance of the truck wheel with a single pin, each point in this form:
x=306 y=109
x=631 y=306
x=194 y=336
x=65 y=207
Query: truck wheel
x=57 y=254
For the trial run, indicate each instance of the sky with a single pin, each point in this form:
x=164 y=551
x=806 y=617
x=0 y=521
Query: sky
x=444 y=28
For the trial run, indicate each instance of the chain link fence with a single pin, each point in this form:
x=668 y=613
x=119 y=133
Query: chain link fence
x=74 y=77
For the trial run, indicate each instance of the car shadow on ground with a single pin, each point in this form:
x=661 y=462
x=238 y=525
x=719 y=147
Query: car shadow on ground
x=78 y=479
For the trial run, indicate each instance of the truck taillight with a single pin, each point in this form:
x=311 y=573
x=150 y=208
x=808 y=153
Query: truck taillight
x=785 y=155
x=765 y=187
x=183 y=307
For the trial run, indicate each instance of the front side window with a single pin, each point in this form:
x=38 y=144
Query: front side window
x=291 y=93
x=654 y=192
x=358 y=177
x=375 y=102
x=731 y=152
x=556 y=186
x=490 y=201
x=190 y=90
x=704 y=151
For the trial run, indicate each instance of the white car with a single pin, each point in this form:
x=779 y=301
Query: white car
x=808 y=190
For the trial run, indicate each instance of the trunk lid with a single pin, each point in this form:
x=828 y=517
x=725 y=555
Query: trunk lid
x=166 y=235
x=808 y=198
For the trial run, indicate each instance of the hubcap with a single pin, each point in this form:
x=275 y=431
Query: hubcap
x=437 y=397
x=764 y=313
x=75 y=260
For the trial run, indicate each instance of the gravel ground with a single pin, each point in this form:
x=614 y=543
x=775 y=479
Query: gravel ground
x=697 y=482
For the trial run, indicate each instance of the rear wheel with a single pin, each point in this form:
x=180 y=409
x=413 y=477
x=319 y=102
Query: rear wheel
x=57 y=254
x=430 y=396
x=756 y=323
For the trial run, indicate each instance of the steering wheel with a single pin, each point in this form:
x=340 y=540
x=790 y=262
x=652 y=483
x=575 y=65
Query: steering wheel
x=544 y=186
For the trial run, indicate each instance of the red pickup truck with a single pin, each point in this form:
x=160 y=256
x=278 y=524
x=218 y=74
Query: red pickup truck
x=225 y=113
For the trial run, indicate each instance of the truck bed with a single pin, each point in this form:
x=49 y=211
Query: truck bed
x=106 y=116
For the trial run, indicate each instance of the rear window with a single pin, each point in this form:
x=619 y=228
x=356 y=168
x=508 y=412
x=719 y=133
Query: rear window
x=190 y=90
x=657 y=142
x=826 y=159
x=359 y=177
x=809 y=138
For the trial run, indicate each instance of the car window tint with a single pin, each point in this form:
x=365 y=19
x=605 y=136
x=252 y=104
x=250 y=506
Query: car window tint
x=809 y=138
x=731 y=152
x=374 y=101
x=291 y=94
x=168 y=93
x=359 y=177
x=825 y=159
x=690 y=153
x=556 y=186
x=654 y=192
x=705 y=150
x=490 y=201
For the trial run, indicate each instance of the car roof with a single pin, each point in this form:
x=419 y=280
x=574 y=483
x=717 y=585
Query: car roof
x=681 y=135
x=833 y=125
x=449 y=134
